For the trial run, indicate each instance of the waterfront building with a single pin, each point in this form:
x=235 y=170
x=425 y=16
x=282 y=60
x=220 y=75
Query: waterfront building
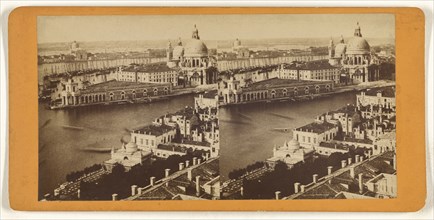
x=195 y=64
x=144 y=73
x=149 y=137
x=384 y=97
x=291 y=153
x=111 y=92
x=194 y=180
x=312 y=70
x=312 y=134
x=366 y=177
x=272 y=89
x=355 y=59
x=128 y=156
x=206 y=100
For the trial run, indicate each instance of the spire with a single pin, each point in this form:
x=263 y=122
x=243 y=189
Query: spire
x=195 y=34
x=358 y=32
x=179 y=41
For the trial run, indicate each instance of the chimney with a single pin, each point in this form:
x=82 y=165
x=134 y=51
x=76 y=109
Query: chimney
x=343 y=163
x=115 y=197
x=187 y=163
x=197 y=185
x=199 y=161
x=207 y=156
x=350 y=161
x=357 y=158
x=361 y=183
x=361 y=158
x=242 y=191
x=189 y=175
x=352 y=172
x=78 y=194
x=315 y=178
x=152 y=180
x=194 y=161
x=166 y=173
x=181 y=166
x=139 y=191
x=302 y=187
x=133 y=190
x=296 y=187
x=329 y=172
x=277 y=195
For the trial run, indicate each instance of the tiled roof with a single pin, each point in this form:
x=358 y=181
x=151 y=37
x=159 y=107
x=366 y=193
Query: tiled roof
x=149 y=68
x=277 y=83
x=317 y=127
x=116 y=85
x=156 y=130
x=385 y=92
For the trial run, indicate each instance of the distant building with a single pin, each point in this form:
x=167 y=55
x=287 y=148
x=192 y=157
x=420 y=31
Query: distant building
x=77 y=52
x=384 y=97
x=206 y=100
x=241 y=51
x=146 y=73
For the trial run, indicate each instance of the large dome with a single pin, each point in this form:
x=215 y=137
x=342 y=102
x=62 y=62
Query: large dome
x=358 y=46
x=196 y=48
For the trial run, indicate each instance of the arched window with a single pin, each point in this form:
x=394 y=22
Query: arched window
x=295 y=91
x=145 y=92
x=273 y=94
x=111 y=96
x=122 y=95
x=317 y=88
x=155 y=91
x=306 y=90
x=134 y=94
x=166 y=90
x=328 y=87
x=285 y=92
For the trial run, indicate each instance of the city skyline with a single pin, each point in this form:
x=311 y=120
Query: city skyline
x=55 y=29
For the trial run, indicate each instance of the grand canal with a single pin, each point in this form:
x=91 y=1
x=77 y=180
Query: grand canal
x=65 y=136
x=248 y=132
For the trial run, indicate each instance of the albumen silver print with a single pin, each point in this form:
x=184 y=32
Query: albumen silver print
x=207 y=107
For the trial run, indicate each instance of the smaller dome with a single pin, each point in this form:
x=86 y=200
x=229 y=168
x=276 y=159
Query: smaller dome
x=178 y=52
x=358 y=46
x=340 y=49
x=131 y=147
x=292 y=145
x=196 y=48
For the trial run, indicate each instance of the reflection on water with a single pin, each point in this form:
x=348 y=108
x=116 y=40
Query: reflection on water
x=65 y=136
x=249 y=132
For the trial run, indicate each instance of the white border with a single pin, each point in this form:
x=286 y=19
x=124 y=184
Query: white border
x=427 y=212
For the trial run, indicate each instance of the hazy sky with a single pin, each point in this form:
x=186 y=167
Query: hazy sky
x=211 y=27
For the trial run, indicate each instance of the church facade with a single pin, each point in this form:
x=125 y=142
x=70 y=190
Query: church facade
x=354 y=57
x=196 y=66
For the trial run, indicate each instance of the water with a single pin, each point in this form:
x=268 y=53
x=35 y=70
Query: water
x=64 y=133
x=246 y=131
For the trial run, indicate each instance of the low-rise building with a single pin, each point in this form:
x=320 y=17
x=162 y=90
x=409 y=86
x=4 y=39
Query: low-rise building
x=151 y=136
x=291 y=153
x=128 y=156
x=312 y=134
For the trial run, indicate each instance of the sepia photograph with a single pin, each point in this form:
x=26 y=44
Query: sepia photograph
x=131 y=107
x=128 y=108
x=307 y=106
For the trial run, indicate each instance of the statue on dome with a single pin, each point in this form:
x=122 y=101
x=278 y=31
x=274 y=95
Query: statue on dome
x=195 y=34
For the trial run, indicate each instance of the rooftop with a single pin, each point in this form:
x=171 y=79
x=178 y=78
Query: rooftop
x=385 y=92
x=276 y=83
x=153 y=129
x=113 y=85
x=149 y=68
x=316 y=127
x=311 y=65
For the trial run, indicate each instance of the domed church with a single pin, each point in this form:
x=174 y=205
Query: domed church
x=355 y=58
x=196 y=66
